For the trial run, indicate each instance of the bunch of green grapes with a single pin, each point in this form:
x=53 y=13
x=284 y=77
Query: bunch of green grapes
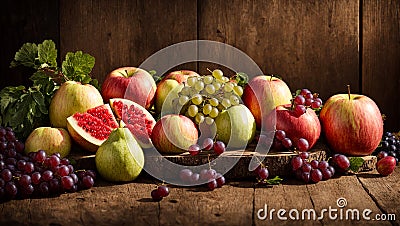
x=203 y=97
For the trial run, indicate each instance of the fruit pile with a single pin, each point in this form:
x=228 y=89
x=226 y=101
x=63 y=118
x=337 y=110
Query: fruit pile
x=37 y=174
x=212 y=113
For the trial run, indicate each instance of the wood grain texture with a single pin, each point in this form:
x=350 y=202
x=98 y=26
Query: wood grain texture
x=381 y=57
x=124 y=33
x=311 y=44
x=21 y=22
x=379 y=188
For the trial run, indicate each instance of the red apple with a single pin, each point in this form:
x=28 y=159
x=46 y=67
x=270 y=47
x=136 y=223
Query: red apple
x=352 y=124
x=130 y=83
x=174 y=134
x=386 y=165
x=169 y=83
x=262 y=94
x=306 y=126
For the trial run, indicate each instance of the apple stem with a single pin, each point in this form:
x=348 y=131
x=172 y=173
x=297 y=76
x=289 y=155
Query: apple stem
x=348 y=91
x=126 y=73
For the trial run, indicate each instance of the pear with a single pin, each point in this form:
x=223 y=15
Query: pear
x=120 y=158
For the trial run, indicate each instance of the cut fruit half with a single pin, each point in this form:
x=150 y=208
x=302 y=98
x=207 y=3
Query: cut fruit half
x=92 y=128
x=136 y=118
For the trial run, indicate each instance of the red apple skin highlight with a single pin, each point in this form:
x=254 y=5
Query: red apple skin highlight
x=352 y=124
x=130 y=83
x=262 y=94
x=306 y=126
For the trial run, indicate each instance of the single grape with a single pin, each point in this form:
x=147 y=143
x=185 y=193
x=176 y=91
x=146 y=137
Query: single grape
x=29 y=167
x=296 y=162
x=197 y=99
x=183 y=100
x=314 y=164
x=306 y=167
x=19 y=146
x=299 y=100
x=280 y=135
x=40 y=156
x=155 y=195
x=263 y=173
x=302 y=144
x=234 y=100
x=228 y=87
x=299 y=110
x=238 y=90
x=11 y=189
x=225 y=79
x=287 y=143
x=54 y=160
x=304 y=155
x=28 y=190
x=217 y=85
x=185 y=175
x=226 y=103
x=2 y=132
x=308 y=102
x=199 y=86
x=210 y=89
x=212 y=184
x=305 y=176
x=211 y=174
x=163 y=191
x=2 y=165
x=214 y=112
x=304 y=92
x=217 y=74
x=341 y=161
x=199 y=118
x=207 y=109
x=36 y=177
x=204 y=174
x=74 y=177
x=326 y=174
x=323 y=165
x=208 y=79
x=213 y=101
x=21 y=164
x=332 y=169
x=316 y=175
x=219 y=147
x=195 y=177
x=47 y=175
x=309 y=96
x=87 y=181
x=192 y=80
x=185 y=91
x=63 y=170
x=207 y=144
x=193 y=110
x=25 y=180
x=2 y=183
x=315 y=104
x=194 y=149
x=220 y=180
x=6 y=175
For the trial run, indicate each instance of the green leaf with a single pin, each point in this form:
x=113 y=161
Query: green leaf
x=39 y=99
x=274 y=181
x=8 y=96
x=355 y=163
x=47 y=53
x=242 y=78
x=26 y=56
x=77 y=66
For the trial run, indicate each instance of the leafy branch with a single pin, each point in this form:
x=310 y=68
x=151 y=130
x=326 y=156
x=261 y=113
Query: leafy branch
x=25 y=108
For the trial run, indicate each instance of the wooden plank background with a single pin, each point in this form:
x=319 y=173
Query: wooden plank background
x=320 y=44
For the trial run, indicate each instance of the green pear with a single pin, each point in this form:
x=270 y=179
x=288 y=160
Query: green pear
x=120 y=157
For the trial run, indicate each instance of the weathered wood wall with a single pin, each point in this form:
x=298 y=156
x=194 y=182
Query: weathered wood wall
x=322 y=45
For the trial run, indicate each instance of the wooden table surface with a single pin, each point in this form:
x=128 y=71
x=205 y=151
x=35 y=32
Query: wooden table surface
x=236 y=203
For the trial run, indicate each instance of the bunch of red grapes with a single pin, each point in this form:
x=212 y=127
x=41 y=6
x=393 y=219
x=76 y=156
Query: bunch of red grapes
x=305 y=99
x=37 y=174
x=314 y=170
x=208 y=144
